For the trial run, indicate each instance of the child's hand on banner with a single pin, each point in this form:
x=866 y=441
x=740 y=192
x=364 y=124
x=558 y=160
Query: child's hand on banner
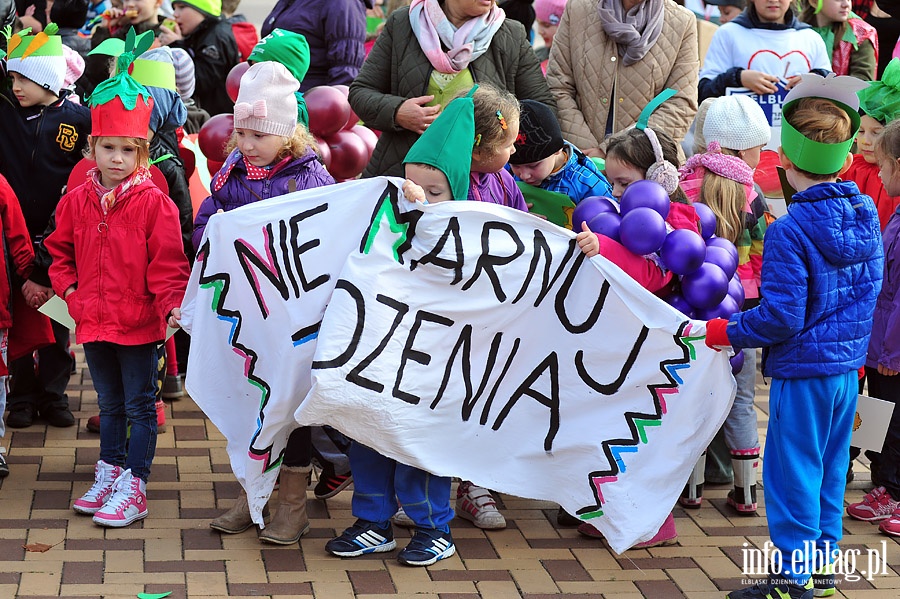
x=588 y=241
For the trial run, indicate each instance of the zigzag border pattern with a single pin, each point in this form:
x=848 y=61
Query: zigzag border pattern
x=638 y=422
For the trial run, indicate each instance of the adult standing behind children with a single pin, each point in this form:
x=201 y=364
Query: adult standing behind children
x=37 y=113
x=200 y=29
x=335 y=31
x=409 y=56
x=609 y=60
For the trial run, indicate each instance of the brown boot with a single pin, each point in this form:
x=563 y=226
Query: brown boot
x=290 y=521
x=237 y=519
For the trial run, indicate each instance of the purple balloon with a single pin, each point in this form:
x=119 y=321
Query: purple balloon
x=724 y=244
x=683 y=251
x=677 y=301
x=590 y=207
x=723 y=259
x=736 y=290
x=645 y=194
x=737 y=362
x=643 y=231
x=726 y=308
x=606 y=223
x=707 y=219
x=706 y=287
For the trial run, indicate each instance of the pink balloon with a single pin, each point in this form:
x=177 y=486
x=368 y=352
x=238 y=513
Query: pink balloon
x=214 y=136
x=233 y=80
x=324 y=152
x=367 y=135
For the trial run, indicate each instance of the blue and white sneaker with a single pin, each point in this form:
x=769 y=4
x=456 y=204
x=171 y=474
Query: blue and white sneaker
x=362 y=538
x=428 y=545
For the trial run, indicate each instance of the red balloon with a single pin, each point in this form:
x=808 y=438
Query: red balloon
x=324 y=152
x=344 y=89
x=233 y=80
x=367 y=136
x=353 y=121
x=349 y=154
x=214 y=136
x=328 y=110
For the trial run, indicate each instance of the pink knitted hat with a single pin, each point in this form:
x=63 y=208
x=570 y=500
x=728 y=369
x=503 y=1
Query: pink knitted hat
x=266 y=101
x=549 y=11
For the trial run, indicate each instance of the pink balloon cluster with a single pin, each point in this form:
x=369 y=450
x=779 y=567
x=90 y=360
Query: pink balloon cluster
x=344 y=145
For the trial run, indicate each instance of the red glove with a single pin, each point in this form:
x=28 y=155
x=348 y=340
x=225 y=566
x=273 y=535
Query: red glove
x=861 y=373
x=716 y=333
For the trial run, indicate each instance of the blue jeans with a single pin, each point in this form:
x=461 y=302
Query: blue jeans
x=125 y=377
x=741 y=429
x=380 y=482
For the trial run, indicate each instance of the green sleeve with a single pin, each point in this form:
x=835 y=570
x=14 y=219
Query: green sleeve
x=862 y=62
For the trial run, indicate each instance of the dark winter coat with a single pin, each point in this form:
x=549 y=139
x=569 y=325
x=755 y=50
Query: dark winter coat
x=397 y=70
x=215 y=52
x=305 y=172
x=821 y=274
x=165 y=142
x=335 y=31
x=884 y=347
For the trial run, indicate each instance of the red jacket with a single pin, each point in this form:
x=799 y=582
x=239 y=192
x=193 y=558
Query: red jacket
x=17 y=241
x=128 y=267
x=865 y=175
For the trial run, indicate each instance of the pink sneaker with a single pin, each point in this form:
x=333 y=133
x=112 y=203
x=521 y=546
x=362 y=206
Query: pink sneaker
x=477 y=505
x=99 y=493
x=127 y=504
x=891 y=526
x=876 y=505
x=666 y=535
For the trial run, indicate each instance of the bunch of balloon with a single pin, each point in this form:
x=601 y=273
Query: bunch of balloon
x=336 y=127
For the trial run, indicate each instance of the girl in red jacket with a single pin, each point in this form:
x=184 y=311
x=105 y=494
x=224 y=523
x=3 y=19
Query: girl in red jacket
x=879 y=104
x=119 y=262
x=633 y=155
x=16 y=255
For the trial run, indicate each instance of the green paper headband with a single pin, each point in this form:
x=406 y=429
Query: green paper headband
x=41 y=44
x=152 y=73
x=813 y=156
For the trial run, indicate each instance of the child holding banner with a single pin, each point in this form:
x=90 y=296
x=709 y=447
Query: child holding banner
x=822 y=273
x=437 y=170
x=271 y=154
x=735 y=127
x=629 y=158
x=764 y=47
x=883 y=357
x=119 y=263
x=544 y=160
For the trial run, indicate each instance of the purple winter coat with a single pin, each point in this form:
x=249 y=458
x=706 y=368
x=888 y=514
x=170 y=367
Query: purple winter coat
x=496 y=188
x=335 y=31
x=306 y=172
x=884 y=345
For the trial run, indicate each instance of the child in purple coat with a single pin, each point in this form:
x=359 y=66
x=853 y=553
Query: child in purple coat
x=272 y=155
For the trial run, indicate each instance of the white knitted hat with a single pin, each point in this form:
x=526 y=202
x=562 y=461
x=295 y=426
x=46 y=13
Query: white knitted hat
x=42 y=62
x=266 y=100
x=737 y=123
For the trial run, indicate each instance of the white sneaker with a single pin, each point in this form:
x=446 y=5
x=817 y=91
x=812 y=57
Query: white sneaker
x=401 y=519
x=477 y=505
x=99 y=493
x=127 y=504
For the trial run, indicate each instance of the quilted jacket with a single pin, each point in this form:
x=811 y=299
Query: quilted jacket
x=820 y=277
x=587 y=76
x=397 y=69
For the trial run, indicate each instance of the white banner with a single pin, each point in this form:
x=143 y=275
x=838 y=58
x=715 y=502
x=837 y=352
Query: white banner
x=465 y=338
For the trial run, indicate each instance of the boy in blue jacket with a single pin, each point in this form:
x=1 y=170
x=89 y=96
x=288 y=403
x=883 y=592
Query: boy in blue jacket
x=820 y=279
x=44 y=135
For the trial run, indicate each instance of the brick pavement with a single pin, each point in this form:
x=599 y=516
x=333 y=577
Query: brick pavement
x=174 y=550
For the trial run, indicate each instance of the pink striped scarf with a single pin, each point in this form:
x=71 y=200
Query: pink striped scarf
x=434 y=31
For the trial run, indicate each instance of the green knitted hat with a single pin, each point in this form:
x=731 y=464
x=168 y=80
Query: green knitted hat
x=881 y=100
x=447 y=144
x=289 y=48
x=212 y=8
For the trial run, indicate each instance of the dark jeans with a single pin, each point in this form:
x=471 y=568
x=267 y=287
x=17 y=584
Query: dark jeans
x=43 y=387
x=298 y=452
x=125 y=377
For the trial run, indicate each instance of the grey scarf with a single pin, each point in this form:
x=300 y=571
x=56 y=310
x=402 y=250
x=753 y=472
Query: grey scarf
x=635 y=32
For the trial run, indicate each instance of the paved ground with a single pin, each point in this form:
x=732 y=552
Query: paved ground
x=174 y=550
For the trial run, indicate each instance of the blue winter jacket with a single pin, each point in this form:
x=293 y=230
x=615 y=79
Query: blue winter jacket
x=820 y=277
